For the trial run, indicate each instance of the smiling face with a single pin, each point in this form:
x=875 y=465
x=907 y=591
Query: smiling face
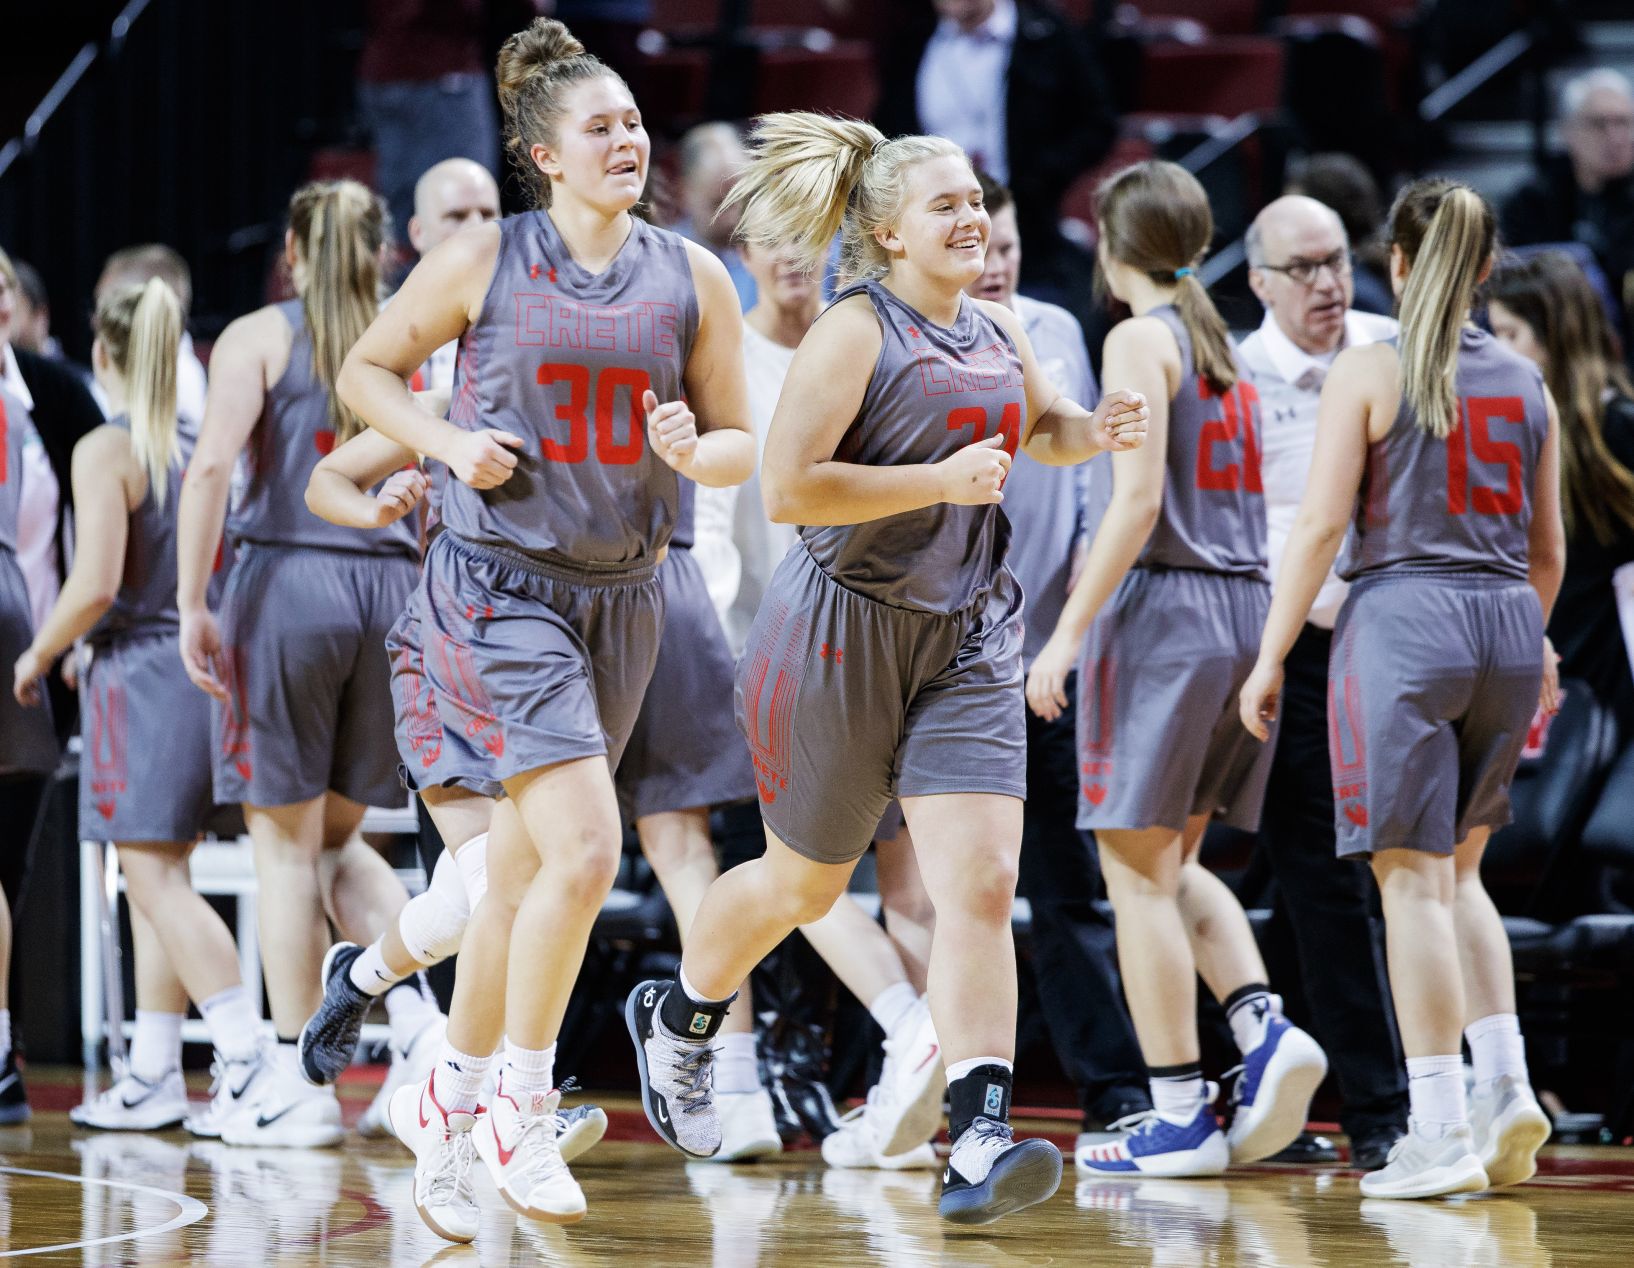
x=1002 y=267
x=942 y=227
x=600 y=151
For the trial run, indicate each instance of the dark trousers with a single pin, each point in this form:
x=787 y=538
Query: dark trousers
x=1074 y=946
x=1324 y=906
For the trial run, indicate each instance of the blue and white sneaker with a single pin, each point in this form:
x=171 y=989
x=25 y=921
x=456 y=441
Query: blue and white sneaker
x=1272 y=1096
x=1155 y=1146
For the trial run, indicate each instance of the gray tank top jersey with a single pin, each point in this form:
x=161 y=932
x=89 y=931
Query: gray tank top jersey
x=934 y=390
x=1213 y=515
x=147 y=593
x=1462 y=504
x=685 y=533
x=561 y=357
x=15 y=424
x=289 y=439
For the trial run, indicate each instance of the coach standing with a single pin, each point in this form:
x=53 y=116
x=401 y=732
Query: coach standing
x=1299 y=267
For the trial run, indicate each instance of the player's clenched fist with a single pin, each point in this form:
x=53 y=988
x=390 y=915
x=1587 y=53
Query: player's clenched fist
x=975 y=475
x=483 y=459
x=672 y=429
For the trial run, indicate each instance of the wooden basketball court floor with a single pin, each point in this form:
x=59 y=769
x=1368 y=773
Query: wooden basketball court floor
x=69 y=1196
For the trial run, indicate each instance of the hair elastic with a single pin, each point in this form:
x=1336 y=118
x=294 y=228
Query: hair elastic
x=878 y=146
x=1180 y=273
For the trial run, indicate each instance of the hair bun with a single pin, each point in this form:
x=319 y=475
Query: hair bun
x=532 y=51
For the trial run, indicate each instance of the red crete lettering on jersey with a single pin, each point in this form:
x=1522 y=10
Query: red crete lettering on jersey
x=986 y=370
x=550 y=321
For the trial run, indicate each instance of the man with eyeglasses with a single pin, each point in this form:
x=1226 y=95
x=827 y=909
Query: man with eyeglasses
x=1586 y=194
x=1299 y=267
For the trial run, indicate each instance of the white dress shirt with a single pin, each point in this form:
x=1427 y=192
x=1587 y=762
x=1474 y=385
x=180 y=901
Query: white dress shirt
x=1289 y=381
x=960 y=87
x=37 y=508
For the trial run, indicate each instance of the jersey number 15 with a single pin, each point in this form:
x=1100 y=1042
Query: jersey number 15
x=1472 y=434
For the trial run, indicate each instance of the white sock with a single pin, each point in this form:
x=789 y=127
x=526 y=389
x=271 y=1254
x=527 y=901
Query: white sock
x=369 y=972
x=1249 y=1017
x=5 y=1033
x=408 y=1012
x=156 y=1046
x=472 y=861
x=1497 y=1048
x=528 y=1070
x=1435 y=1094
x=457 y=1078
x=892 y=1004
x=737 y=1064
x=234 y=1023
x=1178 y=1097
x=691 y=993
x=959 y=1069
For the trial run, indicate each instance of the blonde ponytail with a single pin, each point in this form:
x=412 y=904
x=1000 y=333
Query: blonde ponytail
x=811 y=176
x=1447 y=232
x=339 y=228
x=140 y=327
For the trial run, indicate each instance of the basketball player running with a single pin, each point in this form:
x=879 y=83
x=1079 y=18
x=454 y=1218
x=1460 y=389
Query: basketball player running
x=1177 y=577
x=529 y=642
x=893 y=435
x=145 y=782
x=1441 y=453
x=303 y=690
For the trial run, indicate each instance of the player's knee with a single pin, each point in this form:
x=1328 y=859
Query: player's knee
x=432 y=923
x=587 y=870
x=988 y=893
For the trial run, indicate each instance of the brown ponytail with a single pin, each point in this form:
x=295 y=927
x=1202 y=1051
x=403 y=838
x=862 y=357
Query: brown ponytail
x=1447 y=232
x=339 y=228
x=535 y=66
x=1155 y=217
x=140 y=327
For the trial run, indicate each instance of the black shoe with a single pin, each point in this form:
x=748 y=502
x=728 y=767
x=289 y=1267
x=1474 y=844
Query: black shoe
x=1308 y=1149
x=1369 y=1153
x=13 y=1097
x=330 y=1038
x=677 y=1075
x=990 y=1174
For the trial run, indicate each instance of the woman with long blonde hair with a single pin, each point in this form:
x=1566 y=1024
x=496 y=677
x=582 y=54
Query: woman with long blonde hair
x=1441 y=453
x=296 y=664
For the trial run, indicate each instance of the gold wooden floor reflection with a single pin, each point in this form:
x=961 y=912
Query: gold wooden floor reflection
x=64 y=1188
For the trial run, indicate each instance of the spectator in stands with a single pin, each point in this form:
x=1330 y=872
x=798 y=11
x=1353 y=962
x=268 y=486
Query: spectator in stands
x=1020 y=89
x=1343 y=183
x=447 y=197
x=31 y=326
x=1544 y=308
x=711 y=155
x=133 y=266
x=1299 y=267
x=425 y=92
x=1587 y=193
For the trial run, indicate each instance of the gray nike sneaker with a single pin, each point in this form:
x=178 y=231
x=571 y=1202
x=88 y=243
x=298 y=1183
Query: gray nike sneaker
x=677 y=1076
x=1509 y=1128
x=1420 y=1167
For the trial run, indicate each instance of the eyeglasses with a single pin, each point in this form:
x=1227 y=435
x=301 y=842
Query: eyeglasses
x=1305 y=272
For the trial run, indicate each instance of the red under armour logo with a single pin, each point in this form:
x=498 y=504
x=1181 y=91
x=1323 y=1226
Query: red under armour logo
x=105 y=808
x=533 y=272
x=1357 y=814
x=551 y=276
x=323 y=441
x=837 y=653
x=1096 y=793
x=913 y=332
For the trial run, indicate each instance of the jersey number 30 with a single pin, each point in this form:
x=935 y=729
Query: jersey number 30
x=609 y=448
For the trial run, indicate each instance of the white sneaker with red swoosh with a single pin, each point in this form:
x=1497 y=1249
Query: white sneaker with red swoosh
x=441 y=1142
x=906 y=1103
x=517 y=1140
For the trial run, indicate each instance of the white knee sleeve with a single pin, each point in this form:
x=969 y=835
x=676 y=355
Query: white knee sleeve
x=432 y=923
x=472 y=860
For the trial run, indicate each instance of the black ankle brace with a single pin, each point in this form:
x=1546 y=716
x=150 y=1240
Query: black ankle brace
x=690 y=1018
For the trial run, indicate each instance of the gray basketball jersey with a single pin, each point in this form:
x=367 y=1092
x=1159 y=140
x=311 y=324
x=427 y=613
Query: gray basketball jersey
x=1462 y=504
x=934 y=390
x=1213 y=516
x=289 y=439
x=686 y=499
x=561 y=357
x=15 y=424
x=147 y=593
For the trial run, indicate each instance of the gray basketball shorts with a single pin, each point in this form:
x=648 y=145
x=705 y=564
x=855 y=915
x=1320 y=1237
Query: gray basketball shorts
x=307 y=675
x=503 y=664
x=145 y=730
x=1159 y=738
x=685 y=750
x=28 y=744
x=1432 y=686
x=847 y=702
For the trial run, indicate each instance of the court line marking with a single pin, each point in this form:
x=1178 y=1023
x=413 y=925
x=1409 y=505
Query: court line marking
x=189 y=1211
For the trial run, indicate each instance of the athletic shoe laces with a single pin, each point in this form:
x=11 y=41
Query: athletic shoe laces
x=537 y=1143
x=692 y=1072
x=979 y=1148
x=450 y=1180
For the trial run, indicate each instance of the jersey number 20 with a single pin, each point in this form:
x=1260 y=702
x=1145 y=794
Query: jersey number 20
x=609 y=448
x=1237 y=404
